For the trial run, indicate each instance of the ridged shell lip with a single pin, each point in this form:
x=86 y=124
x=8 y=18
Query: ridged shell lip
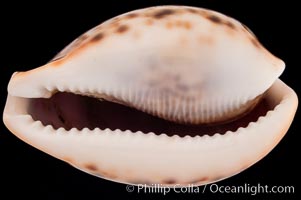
x=151 y=158
x=67 y=110
x=85 y=110
x=21 y=110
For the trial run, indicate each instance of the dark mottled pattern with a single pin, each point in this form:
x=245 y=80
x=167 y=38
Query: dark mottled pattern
x=132 y=15
x=191 y=10
x=98 y=37
x=184 y=24
x=214 y=19
x=169 y=181
x=122 y=29
x=219 y=20
x=163 y=13
x=91 y=167
x=230 y=25
x=82 y=38
x=200 y=180
x=180 y=24
x=255 y=42
x=150 y=16
x=149 y=22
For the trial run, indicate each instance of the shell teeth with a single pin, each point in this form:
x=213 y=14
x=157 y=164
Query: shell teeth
x=73 y=130
x=38 y=125
x=162 y=104
x=95 y=130
x=185 y=110
x=61 y=130
x=72 y=89
x=61 y=88
x=82 y=89
x=49 y=129
x=101 y=90
x=50 y=88
x=107 y=90
x=91 y=90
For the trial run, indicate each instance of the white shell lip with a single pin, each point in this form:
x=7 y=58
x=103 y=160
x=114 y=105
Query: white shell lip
x=136 y=158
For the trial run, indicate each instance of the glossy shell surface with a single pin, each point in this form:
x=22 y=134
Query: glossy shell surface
x=180 y=63
x=183 y=64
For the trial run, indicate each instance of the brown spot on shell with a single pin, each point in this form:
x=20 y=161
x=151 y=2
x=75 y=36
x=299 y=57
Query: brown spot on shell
x=122 y=29
x=137 y=34
x=200 y=180
x=204 y=179
x=163 y=13
x=169 y=182
x=191 y=10
x=187 y=25
x=115 y=23
x=197 y=11
x=169 y=25
x=184 y=24
x=97 y=37
x=132 y=15
x=91 y=167
x=230 y=25
x=206 y=39
x=214 y=18
x=219 y=20
x=57 y=62
x=83 y=37
x=149 y=22
x=111 y=175
x=255 y=42
x=179 y=23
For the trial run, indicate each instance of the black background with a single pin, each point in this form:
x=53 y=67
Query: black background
x=32 y=34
